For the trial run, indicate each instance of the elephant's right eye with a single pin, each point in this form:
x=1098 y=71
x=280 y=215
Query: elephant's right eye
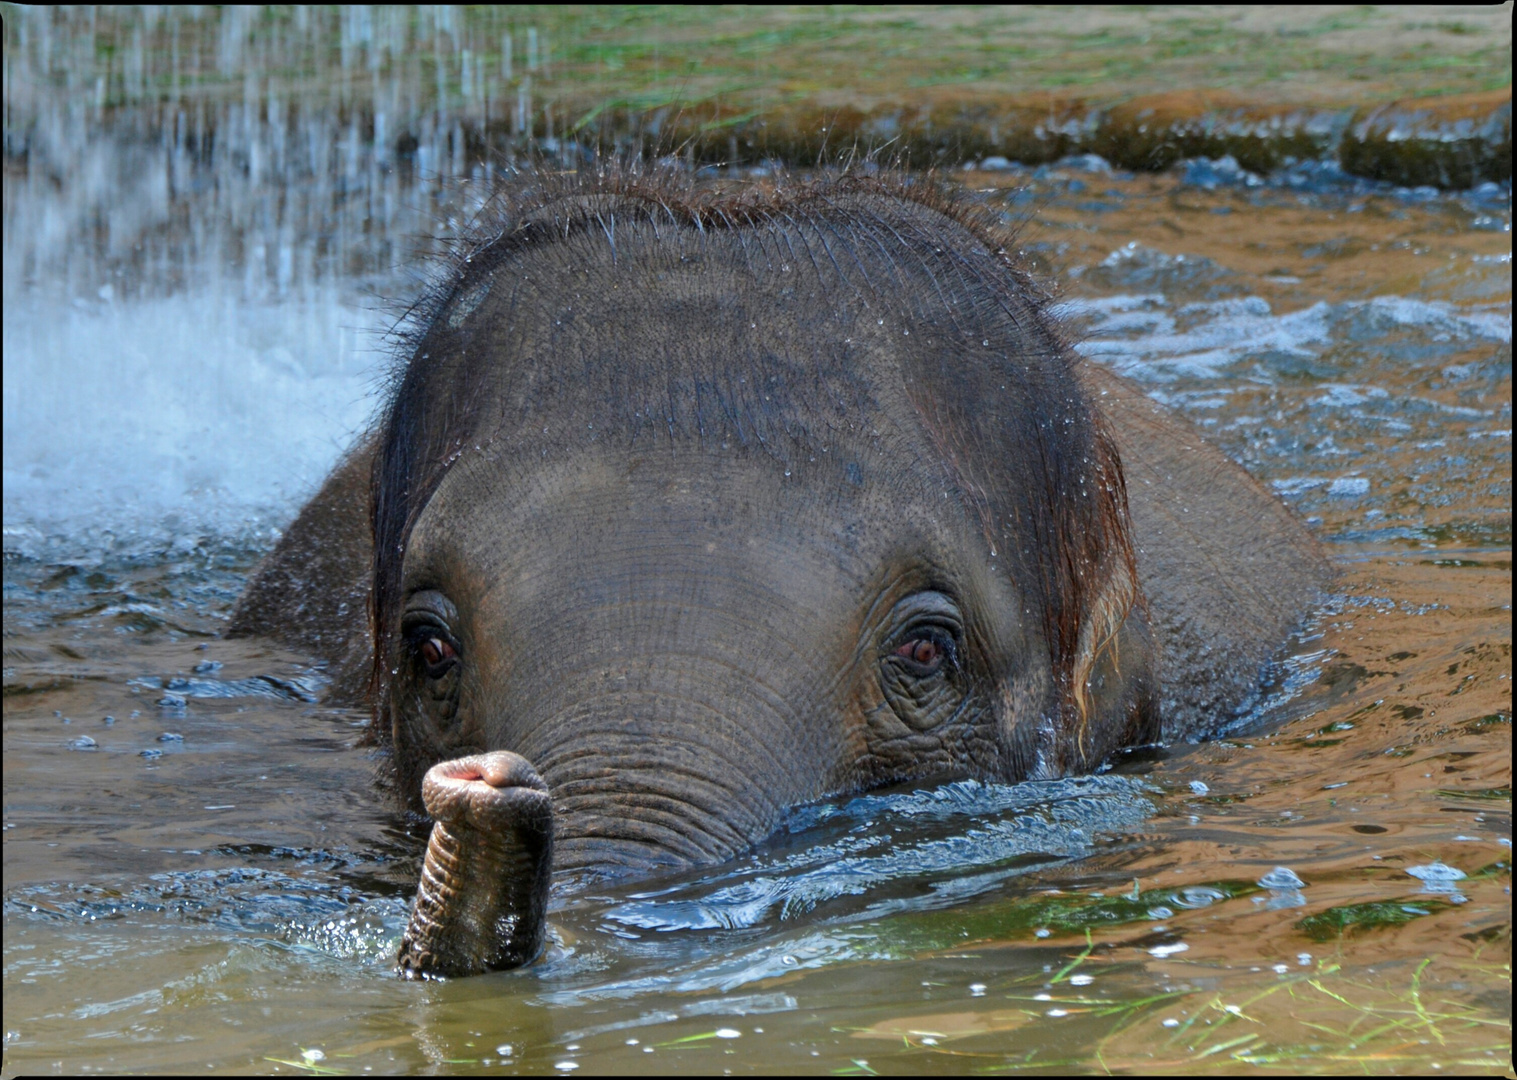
x=433 y=646
x=435 y=651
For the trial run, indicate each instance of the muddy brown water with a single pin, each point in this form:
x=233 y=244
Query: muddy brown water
x=199 y=873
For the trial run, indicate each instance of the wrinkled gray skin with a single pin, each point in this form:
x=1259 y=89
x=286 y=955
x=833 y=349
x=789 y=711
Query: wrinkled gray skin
x=692 y=499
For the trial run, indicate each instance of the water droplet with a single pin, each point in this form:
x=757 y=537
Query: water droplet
x=977 y=989
x=1162 y=951
x=505 y=1049
x=83 y=742
x=1170 y=1022
x=727 y=1033
x=1058 y=1012
x=151 y=755
x=1198 y=787
x=1081 y=980
x=171 y=736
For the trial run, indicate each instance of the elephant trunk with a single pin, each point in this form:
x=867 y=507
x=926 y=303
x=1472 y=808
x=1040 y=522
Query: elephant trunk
x=483 y=897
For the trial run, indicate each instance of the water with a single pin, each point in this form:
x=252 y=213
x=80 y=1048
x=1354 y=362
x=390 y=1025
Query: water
x=1327 y=887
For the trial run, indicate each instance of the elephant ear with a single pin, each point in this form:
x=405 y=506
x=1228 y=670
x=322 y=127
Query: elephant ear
x=311 y=592
x=1112 y=687
x=1113 y=682
x=1225 y=571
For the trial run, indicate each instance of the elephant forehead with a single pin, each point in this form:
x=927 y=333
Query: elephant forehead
x=679 y=525
x=666 y=347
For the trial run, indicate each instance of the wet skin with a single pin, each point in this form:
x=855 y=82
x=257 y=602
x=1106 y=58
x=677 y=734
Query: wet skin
x=684 y=517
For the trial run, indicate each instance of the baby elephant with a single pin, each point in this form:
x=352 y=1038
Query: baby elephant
x=687 y=507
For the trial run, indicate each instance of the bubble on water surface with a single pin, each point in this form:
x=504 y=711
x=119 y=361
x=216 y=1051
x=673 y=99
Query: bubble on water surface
x=1197 y=896
x=1438 y=878
x=1198 y=788
x=1281 y=877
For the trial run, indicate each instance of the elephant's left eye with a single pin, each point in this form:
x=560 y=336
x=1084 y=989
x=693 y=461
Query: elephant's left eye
x=923 y=652
x=926 y=652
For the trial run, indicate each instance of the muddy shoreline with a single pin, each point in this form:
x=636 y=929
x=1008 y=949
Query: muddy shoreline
x=1450 y=142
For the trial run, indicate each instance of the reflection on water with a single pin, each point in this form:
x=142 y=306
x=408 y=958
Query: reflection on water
x=199 y=870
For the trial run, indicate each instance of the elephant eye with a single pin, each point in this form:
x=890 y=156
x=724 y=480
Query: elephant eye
x=425 y=631
x=436 y=652
x=925 y=653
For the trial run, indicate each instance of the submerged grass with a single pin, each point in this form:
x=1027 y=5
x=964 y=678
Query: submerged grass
x=1059 y=913
x=1324 y=1019
x=1336 y=922
x=1339 y=1020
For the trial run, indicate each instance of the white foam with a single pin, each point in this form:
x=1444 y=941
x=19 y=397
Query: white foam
x=148 y=424
x=1138 y=336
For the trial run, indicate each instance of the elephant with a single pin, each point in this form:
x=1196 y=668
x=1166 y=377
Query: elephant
x=686 y=505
